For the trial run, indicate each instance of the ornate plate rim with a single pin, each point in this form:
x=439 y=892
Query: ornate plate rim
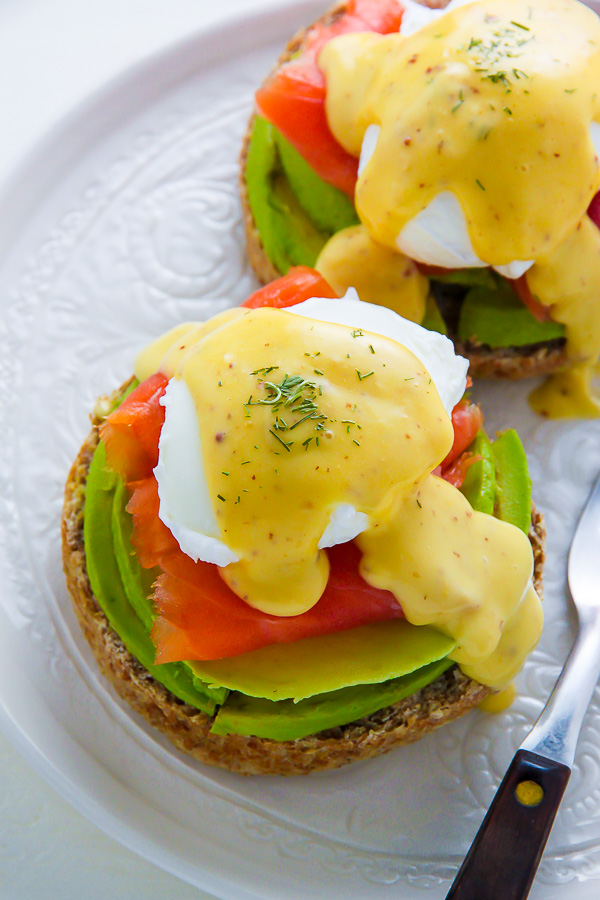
x=156 y=74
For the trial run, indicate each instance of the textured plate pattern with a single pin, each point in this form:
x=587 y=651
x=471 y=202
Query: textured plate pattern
x=144 y=231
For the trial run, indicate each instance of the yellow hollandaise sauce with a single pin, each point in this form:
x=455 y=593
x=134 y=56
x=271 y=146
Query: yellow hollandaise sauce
x=351 y=258
x=298 y=416
x=464 y=572
x=499 y=701
x=568 y=281
x=493 y=102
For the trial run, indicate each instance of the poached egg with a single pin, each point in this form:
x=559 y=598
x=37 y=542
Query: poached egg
x=186 y=506
x=478 y=134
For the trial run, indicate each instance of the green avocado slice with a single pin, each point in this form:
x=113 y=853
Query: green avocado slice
x=368 y=654
x=479 y=486
x=433 y=319
x=288 y=721
x=496 y=317
x=138 y=587
x=288 y=235
x=136 y=580
x=326 y=206
x=301 y=240
x=106 y=583
x=513 y=495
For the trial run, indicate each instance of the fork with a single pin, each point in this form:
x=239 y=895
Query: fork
x=507 y=849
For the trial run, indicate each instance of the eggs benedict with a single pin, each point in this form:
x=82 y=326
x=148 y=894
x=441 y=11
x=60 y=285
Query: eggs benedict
x=289 y=541
x=459 y=153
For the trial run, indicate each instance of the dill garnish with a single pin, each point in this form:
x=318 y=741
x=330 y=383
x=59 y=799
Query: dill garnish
x=492 y=54
x=286 y=444
x=265 y=370
x=293 y=393
x=461 y=100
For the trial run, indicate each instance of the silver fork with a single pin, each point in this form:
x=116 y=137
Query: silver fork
x=507 y=849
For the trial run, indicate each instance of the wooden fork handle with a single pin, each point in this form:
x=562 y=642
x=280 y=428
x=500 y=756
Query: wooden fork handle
x=507 y=849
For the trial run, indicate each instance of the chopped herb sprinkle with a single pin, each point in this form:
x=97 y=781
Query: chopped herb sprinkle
x=265 y=370
x=503 y=44
x=461 y=100
x=286 y=444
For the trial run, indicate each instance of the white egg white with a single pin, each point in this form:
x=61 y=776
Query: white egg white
x=345 y=523
x=595 y=136
x=185 y=506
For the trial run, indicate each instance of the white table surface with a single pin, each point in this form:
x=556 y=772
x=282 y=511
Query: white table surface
x=53 y=53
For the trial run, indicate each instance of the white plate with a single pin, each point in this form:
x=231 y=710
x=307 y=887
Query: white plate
x=122 y=223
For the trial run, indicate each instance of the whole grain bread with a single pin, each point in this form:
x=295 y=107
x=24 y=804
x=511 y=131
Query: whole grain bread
x=485 y=362
x=448 y=697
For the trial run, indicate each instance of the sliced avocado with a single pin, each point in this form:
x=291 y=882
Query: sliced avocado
x=301 y=240
x=513 y=495
x=433 y=319
x=136 y=580
x=326 y=206
x=288 y=235
x=106 y=583
x=498 y=318
x=368 y=654
x=138 y=587
x=122 y=588
x=479 y=486
x=285 y=720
